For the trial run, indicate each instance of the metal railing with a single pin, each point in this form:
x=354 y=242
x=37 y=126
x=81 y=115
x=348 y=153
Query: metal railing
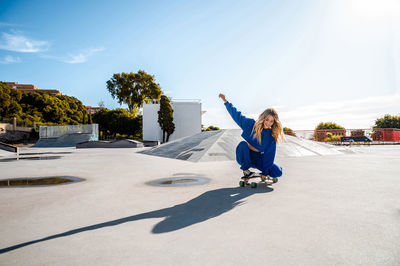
x=334 y=136
x=58 y=131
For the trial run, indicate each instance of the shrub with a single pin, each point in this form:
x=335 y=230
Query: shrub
x=289 y=131
x=388 y=121
x=212 y=128
x=322 y=129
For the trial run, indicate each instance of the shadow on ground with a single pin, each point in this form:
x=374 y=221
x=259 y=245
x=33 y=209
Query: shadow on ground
x=206 y=206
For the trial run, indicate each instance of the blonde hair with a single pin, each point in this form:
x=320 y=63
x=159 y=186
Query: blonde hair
x=277 y=132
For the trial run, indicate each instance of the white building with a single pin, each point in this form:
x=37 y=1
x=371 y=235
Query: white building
x=187 y=119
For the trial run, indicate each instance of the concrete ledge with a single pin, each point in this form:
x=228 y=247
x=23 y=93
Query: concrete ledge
x=8 y=147
x=67 y=140
x=126 y=143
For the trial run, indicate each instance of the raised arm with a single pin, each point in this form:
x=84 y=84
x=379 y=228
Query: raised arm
x=237 y=116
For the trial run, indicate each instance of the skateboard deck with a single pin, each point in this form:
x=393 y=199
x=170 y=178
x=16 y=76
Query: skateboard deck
x=245 y=180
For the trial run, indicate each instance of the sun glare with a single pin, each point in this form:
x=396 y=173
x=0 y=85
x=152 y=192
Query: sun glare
x=376 y=10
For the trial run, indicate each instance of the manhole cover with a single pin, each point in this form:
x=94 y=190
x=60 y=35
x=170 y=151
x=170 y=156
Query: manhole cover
x=179 y=181
x=36 y=158
x=38 y=181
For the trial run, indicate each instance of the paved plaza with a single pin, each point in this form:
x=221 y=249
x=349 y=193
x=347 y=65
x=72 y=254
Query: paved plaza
x=341 y=208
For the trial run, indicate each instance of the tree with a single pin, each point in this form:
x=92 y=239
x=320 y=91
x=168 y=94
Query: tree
x=388 y=121
x=90 y=120
x=165 y=117
x=5 y=98
x=41 y=107
x=212 y=128
x=133 y=89
x=328 y=131
x=100 y=117
x=289 y=131
x=118 y=121
x=328 y=125
x=9 y=102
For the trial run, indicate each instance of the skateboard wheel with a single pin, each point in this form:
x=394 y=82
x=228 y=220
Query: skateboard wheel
x=242 y=183
x=253 y=185
x=274 y=179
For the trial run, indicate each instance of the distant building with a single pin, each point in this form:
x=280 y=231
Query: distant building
x=92 y=110
x=187 y=119
x=30 y=87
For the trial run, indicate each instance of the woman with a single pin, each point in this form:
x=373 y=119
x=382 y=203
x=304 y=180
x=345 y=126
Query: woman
x=261 y=136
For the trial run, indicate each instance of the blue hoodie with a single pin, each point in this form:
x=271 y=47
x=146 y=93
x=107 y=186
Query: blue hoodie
x=267 y=147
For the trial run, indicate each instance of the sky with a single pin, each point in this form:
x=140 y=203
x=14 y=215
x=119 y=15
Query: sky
x=313 y=61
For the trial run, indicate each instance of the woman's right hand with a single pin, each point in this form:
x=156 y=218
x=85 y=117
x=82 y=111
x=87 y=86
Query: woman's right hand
x=222 y=97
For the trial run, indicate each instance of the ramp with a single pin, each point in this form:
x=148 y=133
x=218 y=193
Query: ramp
x=8 y=147
x=68 y=140
x=66 y=136
x=221 y=146
x=189 y=148
x=125 y=143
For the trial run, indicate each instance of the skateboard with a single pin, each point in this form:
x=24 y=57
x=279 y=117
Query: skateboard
x=245 y=180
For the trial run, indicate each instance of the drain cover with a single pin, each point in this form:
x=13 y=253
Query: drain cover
x=38 y=181
x=179 y=181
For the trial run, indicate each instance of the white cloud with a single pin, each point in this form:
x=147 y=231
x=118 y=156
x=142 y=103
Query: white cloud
x=374 y=10
x=81 y=57
x=218 y=117
x=351 y=114
x=358 y=113
x=8 y=59
x=17 y=42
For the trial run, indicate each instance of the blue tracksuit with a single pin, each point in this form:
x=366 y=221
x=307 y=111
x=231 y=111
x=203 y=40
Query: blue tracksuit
x=263 y=160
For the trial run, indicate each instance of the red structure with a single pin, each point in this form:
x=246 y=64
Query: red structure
x=92 y=110
x=378 y=135
x=386 y=134
x=30 y=87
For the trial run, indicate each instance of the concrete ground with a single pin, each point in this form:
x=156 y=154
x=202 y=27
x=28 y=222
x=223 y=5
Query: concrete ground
x=325 y=210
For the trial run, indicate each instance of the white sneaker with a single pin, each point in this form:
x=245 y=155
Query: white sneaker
x=247 y=173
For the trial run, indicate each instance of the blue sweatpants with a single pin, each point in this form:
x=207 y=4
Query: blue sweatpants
x=247 y=158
